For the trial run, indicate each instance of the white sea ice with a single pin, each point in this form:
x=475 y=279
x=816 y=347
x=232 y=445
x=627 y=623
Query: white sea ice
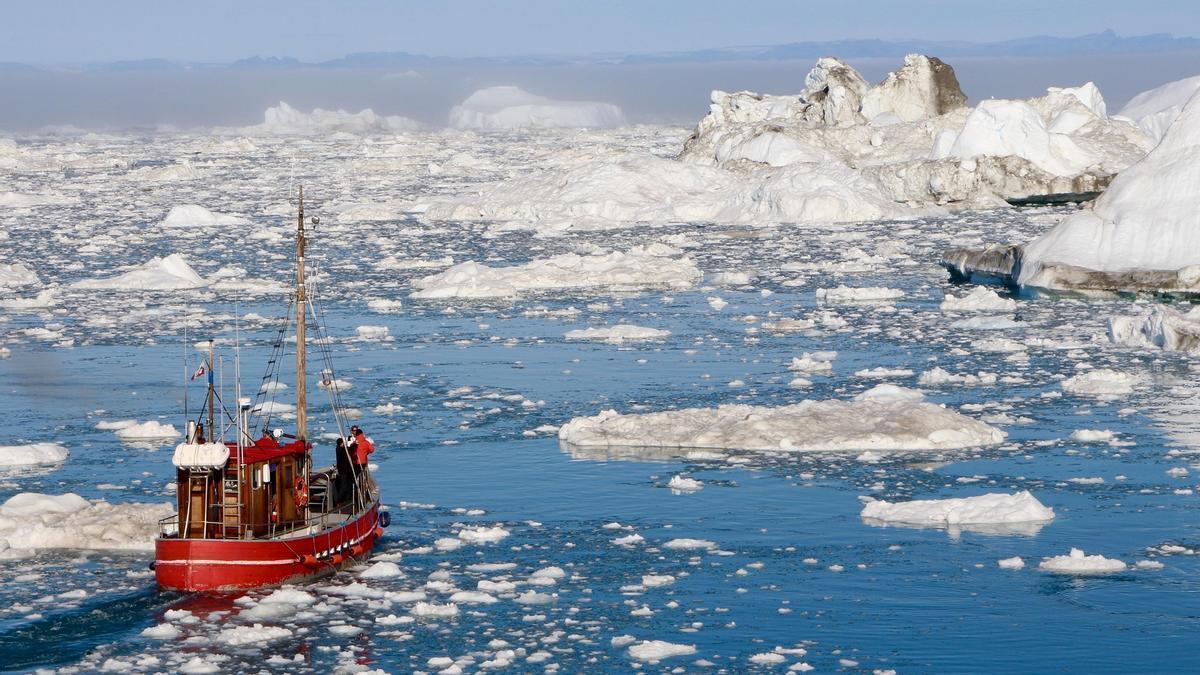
x=431 y=610
x=32 y=454
x=158 y=274
x=814 y=362
x=508 y=107
x=250 y=636
x=17 y=274
x=1014 y=563
x=850 y=295
x=980 y=299
x=868 y=424
x=384 y=569
x=32 y=521
x=964 y=512
x=1076 y=562
x=687 y=544
x=1164 y=328
x=482 y=534
x=194 y=215
x=653 y=651
x=1100 y=382
x=146 y=431
x=682 y=484
x=617 y=334
x=638 y=269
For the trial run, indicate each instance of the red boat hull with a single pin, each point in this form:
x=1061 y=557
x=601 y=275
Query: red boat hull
x=231 y=564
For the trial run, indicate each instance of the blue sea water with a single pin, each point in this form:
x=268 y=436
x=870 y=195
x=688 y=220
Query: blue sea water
x=792 y=565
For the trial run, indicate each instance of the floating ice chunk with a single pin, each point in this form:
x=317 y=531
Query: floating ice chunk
x=194 y=215
x=146 y=431
x=39 y=521
x=43 y=300
x=508 y=107
x=637 y=269
x=32 y=454
x=890 y=392
x=767 y=658
x=1092 y=436
x=383 y=569
x=807 y=426
x=162 y=631
x=848 y=294
x=482 y=535
x=17 y=274
x=372 y=332
x=990 y=509
x=1014 y=563
x=815 y=362
x=617 y=334
x=980 y=299
x=1164 y=327
x=1149 y=565
x=939 y=376
x=882 y=373
x=685 y=544
x=252 y=636
x=473 y=598
x=656 y=580
x=653 y=651
x=1077 y=563
x=158 y=274
x=1101 y=382
x=431 y=610
x=629 y=540
x=534 y=598
x=680 y=484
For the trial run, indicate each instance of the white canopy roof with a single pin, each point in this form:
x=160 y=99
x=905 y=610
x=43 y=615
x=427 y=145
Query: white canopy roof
x=200 y=455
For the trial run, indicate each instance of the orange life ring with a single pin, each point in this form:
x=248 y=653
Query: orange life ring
x=301 y=492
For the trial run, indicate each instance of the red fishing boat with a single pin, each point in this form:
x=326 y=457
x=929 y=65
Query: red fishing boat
x=253 y=511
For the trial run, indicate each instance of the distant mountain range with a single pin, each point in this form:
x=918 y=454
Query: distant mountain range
x=1107 y=42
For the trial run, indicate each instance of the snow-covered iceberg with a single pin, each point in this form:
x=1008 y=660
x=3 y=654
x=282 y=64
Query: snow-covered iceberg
x=1164 y=328
x=640 y=268
x=158 y=274
x=1020 y=512
x=1142 y=233
x=283 y=119
x=508 y=107
x=888 y=423
x=1155 y=110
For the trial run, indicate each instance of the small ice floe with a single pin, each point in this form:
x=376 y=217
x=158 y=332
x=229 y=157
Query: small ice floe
x=980 y=299
x=1092 y=436
x=1100 y=382
x=1020 y=512
x=482 y=534
x=629 y=540
x=252 y=636
x=194 y=215
x=13 y=275
x=32 y=454
x=814 y=363
x=938 y=376
x=145 y=431
x=384 y=305
x=617 y=334
x=1013 y=563
x=680 y=484
x=882 y=373
x=381 y=570
x=653 y=651
x=433 y=610
x=656 y=580
x=280 y=604
x=847 y=294
x=1076 y=562
x=372 y=332
x=717 y=303
x=684 y=544
x=32 y=522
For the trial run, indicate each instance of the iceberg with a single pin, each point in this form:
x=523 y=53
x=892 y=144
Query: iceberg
x=283 y=119
x=1143 y=233
x=171 y=273
x=1164 y=328
x=508 y=107
x=1155 y=110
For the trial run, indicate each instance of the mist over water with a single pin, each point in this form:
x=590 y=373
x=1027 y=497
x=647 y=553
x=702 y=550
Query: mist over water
x=671 y=93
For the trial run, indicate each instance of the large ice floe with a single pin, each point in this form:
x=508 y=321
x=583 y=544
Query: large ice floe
x=999 y=513
x=1143 y=233
x=508 y=107
x=877 y=420
x=640 y=268
x=31 y=522
x=1164 y=328
x=31 y=454
x=283 y=119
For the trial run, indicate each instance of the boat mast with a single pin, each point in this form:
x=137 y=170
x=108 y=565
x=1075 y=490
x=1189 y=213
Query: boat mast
x=210 y=435
x=301 y=319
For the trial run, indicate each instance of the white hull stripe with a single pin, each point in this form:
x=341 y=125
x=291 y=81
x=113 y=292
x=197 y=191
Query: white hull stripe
x=289 y=561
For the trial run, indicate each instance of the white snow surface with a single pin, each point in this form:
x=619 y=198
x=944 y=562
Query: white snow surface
x=892 y=424
x=988 y=509
x=980 y=299
x=617 y=334
x=283 y=119
x=146 y=430
x=17 y=274
x=637 y=269
x=1100 y=382
x=509 y=107
x=194 y=215
x=1148 y=219
x=657 y=650
x=1163 y=328
x=32 y=454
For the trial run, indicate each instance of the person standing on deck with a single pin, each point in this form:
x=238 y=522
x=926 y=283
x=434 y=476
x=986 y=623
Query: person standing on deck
x=344 y=486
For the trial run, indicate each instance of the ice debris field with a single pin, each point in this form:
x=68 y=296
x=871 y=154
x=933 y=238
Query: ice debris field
x=646 y=399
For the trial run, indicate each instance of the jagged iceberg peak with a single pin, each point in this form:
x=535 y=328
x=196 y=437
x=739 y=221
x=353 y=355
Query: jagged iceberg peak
x=509 y=107
x=283 y=119
x=1156 y=109
x=925 y=86
x=1143 y=232
x=837 y=89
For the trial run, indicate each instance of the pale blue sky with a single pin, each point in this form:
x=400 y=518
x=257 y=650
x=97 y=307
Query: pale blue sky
x=75 y=31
